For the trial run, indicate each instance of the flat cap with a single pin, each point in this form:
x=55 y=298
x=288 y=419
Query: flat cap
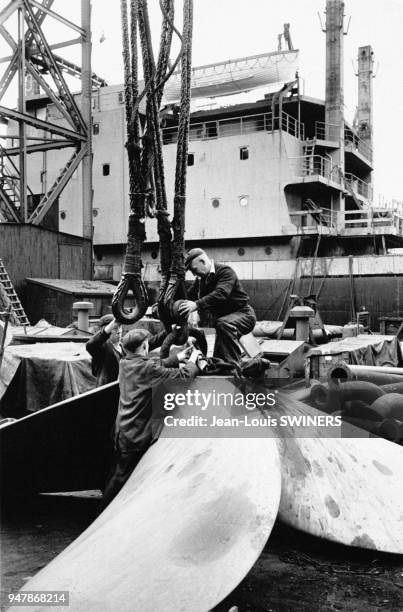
x=191 y=255
x=134 y=338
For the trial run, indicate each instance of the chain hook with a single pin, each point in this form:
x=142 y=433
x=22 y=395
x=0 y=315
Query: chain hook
x=134 y=283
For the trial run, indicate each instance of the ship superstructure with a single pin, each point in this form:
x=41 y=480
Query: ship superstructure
x=280 y=188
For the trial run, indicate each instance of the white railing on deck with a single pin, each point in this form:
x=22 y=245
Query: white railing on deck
x=350 y=138
x=371 y=219
x=330 y=131
x=234 y=126
x=359 y=186
x=311 y=218
x=315 y=165
x=326 y=131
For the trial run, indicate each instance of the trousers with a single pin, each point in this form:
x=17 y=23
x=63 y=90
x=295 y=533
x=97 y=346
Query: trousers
x=123 y=466
x=229 y=329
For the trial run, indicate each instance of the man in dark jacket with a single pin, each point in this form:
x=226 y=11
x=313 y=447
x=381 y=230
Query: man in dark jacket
x=217 y=289
x=105 y=350
x=138 y=375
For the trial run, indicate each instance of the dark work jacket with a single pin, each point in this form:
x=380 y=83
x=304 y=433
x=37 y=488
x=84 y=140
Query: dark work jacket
x=221 y=292
x=138 y=375
x=105 y=357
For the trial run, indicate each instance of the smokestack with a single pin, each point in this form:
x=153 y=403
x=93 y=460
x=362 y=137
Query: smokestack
x=334 y=101
x=334 y=70
x=365 y=75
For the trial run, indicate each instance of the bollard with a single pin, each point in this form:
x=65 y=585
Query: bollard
x=83 y=308
x=302 y=314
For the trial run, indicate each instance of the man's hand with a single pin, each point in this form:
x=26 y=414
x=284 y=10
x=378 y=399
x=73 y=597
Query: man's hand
x=184 y=354
x=187 y=307
x=111 y=326
x=195 y=355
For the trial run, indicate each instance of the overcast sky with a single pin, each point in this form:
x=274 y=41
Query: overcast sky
x=226 y=29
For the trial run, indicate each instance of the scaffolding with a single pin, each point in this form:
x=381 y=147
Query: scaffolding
x=33 y=58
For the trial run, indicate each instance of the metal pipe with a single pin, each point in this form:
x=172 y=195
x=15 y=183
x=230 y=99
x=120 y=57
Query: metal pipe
x=360 y=410
x=381 y=375
x=319 y=396
x=389 y=406
x=22 y=109
x=364 y=391
x=86 y=88
x=391 y=429
x=396 y=387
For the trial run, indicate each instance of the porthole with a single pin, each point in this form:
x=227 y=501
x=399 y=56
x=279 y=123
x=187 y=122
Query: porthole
x=154 y=254
x=241 y=251
x=63 y=214
x=243 y=200
x=215 y=202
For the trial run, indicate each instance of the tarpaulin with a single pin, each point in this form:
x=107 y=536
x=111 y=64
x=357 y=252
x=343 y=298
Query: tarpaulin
x=35 y=376
x=364 y=350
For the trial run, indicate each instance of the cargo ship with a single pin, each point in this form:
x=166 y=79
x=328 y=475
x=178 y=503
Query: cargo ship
x=279 y=188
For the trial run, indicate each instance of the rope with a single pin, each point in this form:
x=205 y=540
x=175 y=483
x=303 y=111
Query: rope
x=146 y=170
x=131 y=277
x=177 y=272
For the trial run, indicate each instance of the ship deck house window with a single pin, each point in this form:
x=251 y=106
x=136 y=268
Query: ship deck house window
x=191 y=159
x=243 y=153
x=106 y=169
x=95 y=129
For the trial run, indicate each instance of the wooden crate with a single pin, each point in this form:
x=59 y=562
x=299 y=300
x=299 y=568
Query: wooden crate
x=319 y=365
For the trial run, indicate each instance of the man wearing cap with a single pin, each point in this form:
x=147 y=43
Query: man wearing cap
x=138 y=374
x=217 y=289
x=105 y=350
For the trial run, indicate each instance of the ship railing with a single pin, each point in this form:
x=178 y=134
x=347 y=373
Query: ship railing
x=371 y=219
x=359 y=186
x=313 y=218
x=351 y=138
x=292 y=126
x=235 y=126
x=331 y=131
x=325 y=216
x=326 y=131
x=315 y=165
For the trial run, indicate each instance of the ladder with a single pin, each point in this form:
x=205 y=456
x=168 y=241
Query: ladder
x=9 y=187
x=350 y=191
x=12 y=296
x=317 y=213
x=309 y=151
